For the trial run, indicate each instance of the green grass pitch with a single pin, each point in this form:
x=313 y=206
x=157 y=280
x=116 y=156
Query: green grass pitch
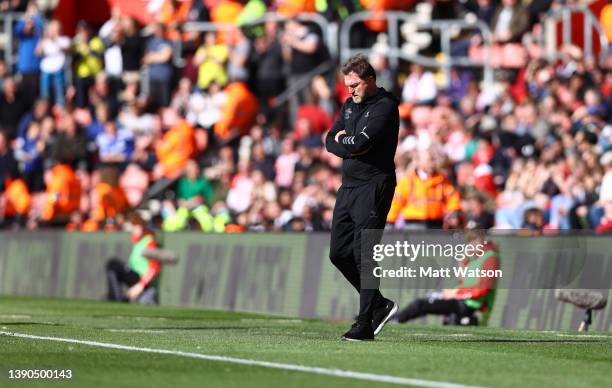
x=427 y=354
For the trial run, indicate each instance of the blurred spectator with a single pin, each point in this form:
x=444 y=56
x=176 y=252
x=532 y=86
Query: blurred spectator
x=69 y=143
x=458 y=85
x=210 y=58
x=158 y=55
x=176 y=147
x=385 y=78
x=509 y=22
x=203 y=109
x=285 y=164
x=483 y=10
x=88 y=61
x=239 y=197
x=605 y=224
x=131 y=50
x=8 y=164
x=3 y=73
x=28 y=152
x=304 y=50
x=293 y=8
x=113 y=61
x=52 y=49
x=115 y=146
x=29 y=30
x=424 y=196
x=262 y=162
x=596 y=212
x=12 y=107
x=194 y=198
x=533 y=220
x=419 y=87
x=238 y=113
x=269 y=77
x=134 y=181
x=38 y=112
x=240 y=52
x=12 y=5
x=17 y=202
x=109 y=200
x=316 y=117
x=478 y=217
x=226 y=12
x=63 y=195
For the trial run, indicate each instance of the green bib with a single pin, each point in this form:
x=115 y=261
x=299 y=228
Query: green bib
x=137 y=262
x=468 y=282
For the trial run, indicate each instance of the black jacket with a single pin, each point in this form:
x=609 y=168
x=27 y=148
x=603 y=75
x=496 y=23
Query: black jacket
x=368 y=147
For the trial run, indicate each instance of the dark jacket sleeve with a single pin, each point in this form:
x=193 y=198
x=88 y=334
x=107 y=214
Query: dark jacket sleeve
x=368 y=135
x=330 y=143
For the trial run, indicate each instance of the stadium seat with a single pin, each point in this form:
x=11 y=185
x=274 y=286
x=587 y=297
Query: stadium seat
x=511 y=56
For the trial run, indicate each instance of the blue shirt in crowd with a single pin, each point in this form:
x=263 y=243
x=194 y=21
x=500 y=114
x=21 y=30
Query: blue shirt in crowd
x=159 y=71
x=27 y=60
x=122 y=143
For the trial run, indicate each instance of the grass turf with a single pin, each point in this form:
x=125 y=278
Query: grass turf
x=472 y=356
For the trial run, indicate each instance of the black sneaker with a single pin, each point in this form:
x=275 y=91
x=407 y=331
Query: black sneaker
x=382 y=314
x=360 y=331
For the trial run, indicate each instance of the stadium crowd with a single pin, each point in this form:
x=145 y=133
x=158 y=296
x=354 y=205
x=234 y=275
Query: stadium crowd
x=203 y=146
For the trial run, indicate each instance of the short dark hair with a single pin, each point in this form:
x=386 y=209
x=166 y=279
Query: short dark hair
x=360 y=65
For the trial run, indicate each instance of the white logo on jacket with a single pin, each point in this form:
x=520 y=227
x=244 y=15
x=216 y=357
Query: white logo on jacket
x=347 y=113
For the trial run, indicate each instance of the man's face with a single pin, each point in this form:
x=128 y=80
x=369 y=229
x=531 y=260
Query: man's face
x=356 y=86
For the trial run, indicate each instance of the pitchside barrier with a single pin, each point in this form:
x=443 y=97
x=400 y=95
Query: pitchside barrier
x=286 y=274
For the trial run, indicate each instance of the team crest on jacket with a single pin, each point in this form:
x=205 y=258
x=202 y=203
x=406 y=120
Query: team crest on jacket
x=347 y=113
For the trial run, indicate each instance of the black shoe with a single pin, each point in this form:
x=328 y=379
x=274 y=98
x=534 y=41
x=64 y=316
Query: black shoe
x=360 y=331
x=382 y=314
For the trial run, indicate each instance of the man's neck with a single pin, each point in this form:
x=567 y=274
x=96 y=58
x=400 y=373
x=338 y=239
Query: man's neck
x=370 y=93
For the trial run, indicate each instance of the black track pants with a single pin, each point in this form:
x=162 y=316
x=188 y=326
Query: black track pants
x=357 y=209
x=424 y=306
x=118 y=274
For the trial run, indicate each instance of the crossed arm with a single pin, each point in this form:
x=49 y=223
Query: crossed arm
x=341 y=144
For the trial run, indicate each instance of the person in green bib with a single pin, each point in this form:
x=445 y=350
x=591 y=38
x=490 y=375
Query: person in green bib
x=471 y=294
x=194 y=199
x=143 y=267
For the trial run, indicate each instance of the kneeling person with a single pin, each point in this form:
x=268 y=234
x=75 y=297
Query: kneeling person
x=471 y=294
x=143 y=267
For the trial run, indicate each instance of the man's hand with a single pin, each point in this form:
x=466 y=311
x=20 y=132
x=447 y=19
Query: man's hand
x=343 y=132
x=360 y=153
x=449 y=294
x=135 y=291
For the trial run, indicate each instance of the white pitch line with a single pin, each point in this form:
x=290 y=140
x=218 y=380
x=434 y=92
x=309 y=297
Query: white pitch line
x=264 y=364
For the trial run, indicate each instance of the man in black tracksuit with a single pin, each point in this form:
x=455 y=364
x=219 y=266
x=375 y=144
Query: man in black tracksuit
x=365 y=137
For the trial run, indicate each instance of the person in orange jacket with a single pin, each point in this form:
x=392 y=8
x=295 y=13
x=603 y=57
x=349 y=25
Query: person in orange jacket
x=63 y=195
x=238 y=113
x=17 y=200
x=378 y=7
x=292 y=8
x=424 y=196
x=177 y=146
x=226 y=12
x=110 y=198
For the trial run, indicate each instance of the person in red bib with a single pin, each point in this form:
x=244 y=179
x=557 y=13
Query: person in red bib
x=142 y=269
x=471 y=294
